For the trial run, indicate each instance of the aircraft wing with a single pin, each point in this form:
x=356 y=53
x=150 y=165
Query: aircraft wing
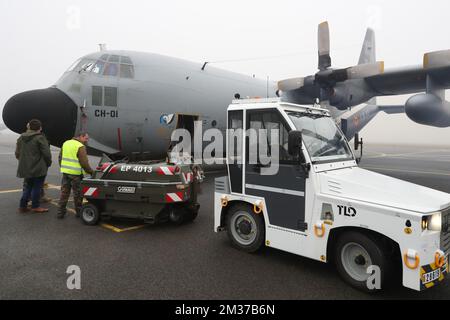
x=436 y=66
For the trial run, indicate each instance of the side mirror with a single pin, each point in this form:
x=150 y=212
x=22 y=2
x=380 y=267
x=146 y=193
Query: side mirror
x=294 y=142
x=358 y=143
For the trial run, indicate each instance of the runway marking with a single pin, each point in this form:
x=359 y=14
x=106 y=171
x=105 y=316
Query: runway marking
x=68 y=209
x=437 y=173
x=20 y=190
x=119 y=230
x=394 y=155
x=13 y=153
x=105 y=225
x=438 y=158
x=11 y=191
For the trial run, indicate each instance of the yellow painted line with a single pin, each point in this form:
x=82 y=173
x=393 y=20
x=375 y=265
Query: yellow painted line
x=68 y=209
x=118 y=230
x=437 y=173
x=396 y=155
x=20 y=190
x=110 y=227
x=133 y=228
x=11 y=191
x=104 y=225
x=52 y=186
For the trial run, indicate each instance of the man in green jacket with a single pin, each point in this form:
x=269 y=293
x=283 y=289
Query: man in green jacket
x=33 y=153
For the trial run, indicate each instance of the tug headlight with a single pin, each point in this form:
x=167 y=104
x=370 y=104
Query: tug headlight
x=432 y=222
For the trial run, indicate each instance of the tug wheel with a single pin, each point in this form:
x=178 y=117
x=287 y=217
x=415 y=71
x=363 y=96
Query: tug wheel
x=90 y=214
x=245 y=229
x=354 y=253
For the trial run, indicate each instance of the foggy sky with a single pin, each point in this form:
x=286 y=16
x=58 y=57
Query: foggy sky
x=41 y=39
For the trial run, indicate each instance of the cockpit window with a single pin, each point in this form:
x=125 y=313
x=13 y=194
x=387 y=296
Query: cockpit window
x=126 y=60
x=111 y=69
x=87 y=66
x=114 y=58
x=98 y=67
x=82 y=65
x=107 y=65
x=126 y=71
x=72 y=67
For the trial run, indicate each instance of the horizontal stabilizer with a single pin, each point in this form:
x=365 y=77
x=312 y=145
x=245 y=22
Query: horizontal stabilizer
x=354 y=123
x=394 y=109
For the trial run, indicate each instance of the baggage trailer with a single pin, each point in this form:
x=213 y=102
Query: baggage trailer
x=147 y=190
x=319 y=204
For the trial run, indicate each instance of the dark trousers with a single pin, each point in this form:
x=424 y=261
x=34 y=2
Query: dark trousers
x=70 y=183
x=32 y=188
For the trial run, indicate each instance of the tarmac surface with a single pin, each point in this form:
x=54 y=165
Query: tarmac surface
x=126 y=260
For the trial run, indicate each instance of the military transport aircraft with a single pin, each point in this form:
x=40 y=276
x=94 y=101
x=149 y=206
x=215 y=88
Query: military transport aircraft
x=132 y=101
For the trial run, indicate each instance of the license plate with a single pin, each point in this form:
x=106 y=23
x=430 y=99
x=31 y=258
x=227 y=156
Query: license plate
x=431 y=276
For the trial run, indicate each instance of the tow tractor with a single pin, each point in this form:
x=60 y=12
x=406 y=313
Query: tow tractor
x=319 y=204
x=152 y=191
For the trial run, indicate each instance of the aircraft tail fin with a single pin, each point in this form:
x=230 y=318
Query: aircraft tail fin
x=368 y=51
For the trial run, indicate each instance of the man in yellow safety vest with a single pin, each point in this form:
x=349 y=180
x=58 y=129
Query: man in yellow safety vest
x=74 y=164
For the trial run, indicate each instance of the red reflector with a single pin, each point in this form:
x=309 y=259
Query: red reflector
x=104 y=167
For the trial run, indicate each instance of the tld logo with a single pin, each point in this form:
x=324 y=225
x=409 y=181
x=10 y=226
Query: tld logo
x=347 y=211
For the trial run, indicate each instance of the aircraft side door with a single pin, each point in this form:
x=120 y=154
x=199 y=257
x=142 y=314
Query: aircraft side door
x=284 y=191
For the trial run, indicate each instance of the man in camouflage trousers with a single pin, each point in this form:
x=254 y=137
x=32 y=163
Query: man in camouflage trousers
x=74 y=163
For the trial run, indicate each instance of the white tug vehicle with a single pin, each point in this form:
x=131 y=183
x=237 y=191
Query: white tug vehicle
x=314 y=201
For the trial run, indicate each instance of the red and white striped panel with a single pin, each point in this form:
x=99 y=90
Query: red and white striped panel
x=90 y=192
x=166 y=171
x=175 y=197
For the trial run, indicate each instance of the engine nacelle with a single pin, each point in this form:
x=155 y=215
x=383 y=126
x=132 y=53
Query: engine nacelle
x=348 y=95
x=428 y=109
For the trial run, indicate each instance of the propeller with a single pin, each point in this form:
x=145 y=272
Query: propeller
x=436 y=59
x=321 y=85
x=323 y=43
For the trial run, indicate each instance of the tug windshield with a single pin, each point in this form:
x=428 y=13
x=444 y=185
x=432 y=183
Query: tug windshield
x=322 y=138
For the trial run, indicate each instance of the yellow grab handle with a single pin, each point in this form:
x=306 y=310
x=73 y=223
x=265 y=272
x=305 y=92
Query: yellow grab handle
x=257 y=207
x=224 y=202
x=410 y=266
x=439 y=260
x=316 y=230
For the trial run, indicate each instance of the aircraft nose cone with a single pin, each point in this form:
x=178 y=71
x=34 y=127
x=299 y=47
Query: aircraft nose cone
x=56 y=111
